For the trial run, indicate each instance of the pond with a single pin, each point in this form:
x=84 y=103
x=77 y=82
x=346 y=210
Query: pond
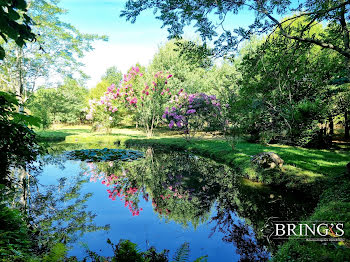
x=160 y=198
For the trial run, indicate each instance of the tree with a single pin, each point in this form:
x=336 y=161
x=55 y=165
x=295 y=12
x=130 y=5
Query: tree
x=142 y=94
x=284 y=99
x=210 y=17
x=53 y=56
x=193 y=69
x=112 y=76
x=63 y=104
x=15 y=23
x=194 y=112
x=18 y=143
x=341 y=106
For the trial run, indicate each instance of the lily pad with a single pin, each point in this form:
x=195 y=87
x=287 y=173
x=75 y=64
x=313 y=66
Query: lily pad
x=105 y=154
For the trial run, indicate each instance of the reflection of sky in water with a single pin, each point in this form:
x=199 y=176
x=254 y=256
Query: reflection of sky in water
x=146 y=230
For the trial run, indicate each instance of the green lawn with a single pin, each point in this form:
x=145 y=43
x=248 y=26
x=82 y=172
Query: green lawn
x=301 y=166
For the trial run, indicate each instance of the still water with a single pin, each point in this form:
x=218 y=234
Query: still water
x=162 y=199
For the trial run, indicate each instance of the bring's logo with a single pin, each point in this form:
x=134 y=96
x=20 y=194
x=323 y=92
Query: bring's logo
x=308 y=230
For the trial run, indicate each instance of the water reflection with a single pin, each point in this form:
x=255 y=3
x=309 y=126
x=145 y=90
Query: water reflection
x=193 y=191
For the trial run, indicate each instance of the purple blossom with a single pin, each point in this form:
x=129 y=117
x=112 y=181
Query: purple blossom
x=171 y=124
x=191 y=111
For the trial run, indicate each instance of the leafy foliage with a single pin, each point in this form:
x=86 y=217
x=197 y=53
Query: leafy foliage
x=15 y=241
x=194 y=112
x=127 y=251
x=181 y=255
x=63 y=104
x=51 y=58
x=15 y=23
x=210 y=17
x=18 y=143
x=286 y=98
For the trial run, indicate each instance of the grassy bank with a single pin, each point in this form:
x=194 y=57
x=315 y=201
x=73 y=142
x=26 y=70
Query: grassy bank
x=301 y=166
x=321 y=172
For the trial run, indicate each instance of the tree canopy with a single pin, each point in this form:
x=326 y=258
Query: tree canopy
x=210 y=18
x=15 y=23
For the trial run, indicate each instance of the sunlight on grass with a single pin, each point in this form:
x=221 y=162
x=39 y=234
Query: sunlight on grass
x=300 y=165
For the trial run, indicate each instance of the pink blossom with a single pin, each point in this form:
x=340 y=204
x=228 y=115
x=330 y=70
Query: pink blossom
x=169 y=76
x=133 y=101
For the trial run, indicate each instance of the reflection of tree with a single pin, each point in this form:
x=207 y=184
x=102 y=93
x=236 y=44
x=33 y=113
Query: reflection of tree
x=178 y=183
x=184 y=188
x=236 y=231
x=243 y=209
x=60 y=212
x=55 y=213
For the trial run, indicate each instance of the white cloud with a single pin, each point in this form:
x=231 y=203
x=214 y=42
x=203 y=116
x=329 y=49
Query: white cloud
x=123 y=56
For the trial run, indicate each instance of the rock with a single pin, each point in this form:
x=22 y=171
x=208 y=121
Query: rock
x=267 y=160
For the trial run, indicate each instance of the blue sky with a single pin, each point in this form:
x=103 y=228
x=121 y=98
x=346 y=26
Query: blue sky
x=128 y=43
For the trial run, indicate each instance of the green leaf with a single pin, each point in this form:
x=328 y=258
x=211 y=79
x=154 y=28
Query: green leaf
x=13 y=15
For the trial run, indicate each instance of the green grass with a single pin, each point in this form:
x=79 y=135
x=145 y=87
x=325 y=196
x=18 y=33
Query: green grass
x=59 y=135
x=301 y=166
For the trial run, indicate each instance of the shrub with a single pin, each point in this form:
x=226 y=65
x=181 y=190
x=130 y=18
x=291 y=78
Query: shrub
x=191 y=113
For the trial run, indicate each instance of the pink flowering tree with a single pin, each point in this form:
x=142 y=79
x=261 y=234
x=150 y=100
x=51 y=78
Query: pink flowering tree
x=144 y=96
x=191 y=113
x=100 y=114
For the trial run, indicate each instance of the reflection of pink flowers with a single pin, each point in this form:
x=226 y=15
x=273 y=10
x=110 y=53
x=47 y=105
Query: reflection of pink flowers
x=123 y=192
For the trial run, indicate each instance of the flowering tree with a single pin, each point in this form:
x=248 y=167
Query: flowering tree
x=194 y=112
x=100 y=114
x=145 y=100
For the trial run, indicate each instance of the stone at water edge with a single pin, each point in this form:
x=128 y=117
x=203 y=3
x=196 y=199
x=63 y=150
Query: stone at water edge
x=267 y=160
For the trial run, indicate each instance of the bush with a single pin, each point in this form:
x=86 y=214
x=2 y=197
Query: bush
x=191 y=113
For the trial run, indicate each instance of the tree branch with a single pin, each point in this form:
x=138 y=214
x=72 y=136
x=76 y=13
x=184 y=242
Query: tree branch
x=345 y=53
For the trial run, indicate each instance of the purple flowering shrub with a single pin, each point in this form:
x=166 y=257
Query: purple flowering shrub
x=194 y=112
